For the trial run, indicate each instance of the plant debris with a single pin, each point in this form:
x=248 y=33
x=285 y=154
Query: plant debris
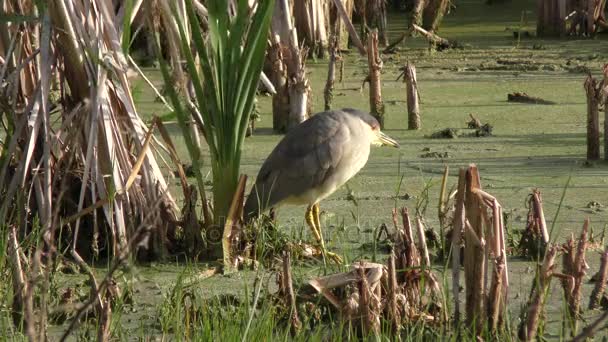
x=438 y=155
x=525 y=98
x=446 y=133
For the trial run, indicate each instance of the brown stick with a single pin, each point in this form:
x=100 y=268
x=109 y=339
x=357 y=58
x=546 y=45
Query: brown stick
x=458 y=226
x=474 y=256
x=368 y=314
x=349 y=26
x=393 y=288
x=529 y=327
x=433 y=38
x=331 y=73
x=495 y=297
x=296 y=324
x=424 y=251
x=376 y=107
x=600 y=284
x=413 y=108
x=538 y=208
x=580 y=270
x=593 y=121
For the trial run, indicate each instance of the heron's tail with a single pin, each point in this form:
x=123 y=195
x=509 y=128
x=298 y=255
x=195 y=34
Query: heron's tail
x=252 y=206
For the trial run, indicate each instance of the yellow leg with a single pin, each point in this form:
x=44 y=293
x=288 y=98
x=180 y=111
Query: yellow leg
x=317 y=221
x=310 y=221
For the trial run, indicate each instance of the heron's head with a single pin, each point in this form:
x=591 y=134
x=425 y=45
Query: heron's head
x=381 y=139
x=377 y=137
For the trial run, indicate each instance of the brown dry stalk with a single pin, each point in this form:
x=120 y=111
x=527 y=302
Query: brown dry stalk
x=424 y=251
x=600 y=284
x=574 y=270
x=537 y=203
x=376 y=107
x=393 y=289
x=349 y=26
x=580 y=267
x=457 y=228
x=495 y=298
x=232 y=225
x=370 y=315
x=593 y=121
x=287 y=287
x=331 y=73
x=529 y=326
x=413 y=97
x=474 y=256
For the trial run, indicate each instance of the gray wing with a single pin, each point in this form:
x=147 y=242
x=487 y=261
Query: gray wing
x=304 y=159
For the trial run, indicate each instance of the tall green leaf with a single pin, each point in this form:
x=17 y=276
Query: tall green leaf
x=231 y=57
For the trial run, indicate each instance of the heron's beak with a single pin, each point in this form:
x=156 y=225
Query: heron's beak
x=386 y=140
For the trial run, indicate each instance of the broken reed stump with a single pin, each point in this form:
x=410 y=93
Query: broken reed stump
x=600 y=283
x=331 y=73
x=528 y=327
x=424 y=251
x=574 y=270
x=364 y=302
x=393 y=291
x=290 y=104
x=484 y=239
x=376 y=107
x=474 y=254
x=413 y=107
x=536 y=236
x=457 y=227
x=593 y=120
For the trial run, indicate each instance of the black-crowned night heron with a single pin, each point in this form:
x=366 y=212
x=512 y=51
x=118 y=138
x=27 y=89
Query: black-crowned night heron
x=313 y=160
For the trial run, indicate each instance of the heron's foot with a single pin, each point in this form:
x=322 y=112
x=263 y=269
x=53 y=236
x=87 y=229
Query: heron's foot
x=335 y=258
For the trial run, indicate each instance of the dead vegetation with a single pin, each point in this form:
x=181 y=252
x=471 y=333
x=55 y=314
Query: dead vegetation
x=525 y=98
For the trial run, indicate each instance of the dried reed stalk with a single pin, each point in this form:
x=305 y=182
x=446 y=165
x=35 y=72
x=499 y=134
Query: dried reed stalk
x=424 y=251
x=376 y=106
x=331 y=73
x=369 y=316
x=574 y=270
x=600 y=284
x=349 y=26
x=593 y=121
x=529 y=325
x=457 y=228
x=474 y=255
x=413 y=96
x=393 y=291
x=539 y=214
x=287 y=288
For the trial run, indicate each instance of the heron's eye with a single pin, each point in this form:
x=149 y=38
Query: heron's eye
x=375 y=127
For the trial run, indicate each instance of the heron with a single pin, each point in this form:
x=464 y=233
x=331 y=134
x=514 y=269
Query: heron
x=313 y=160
